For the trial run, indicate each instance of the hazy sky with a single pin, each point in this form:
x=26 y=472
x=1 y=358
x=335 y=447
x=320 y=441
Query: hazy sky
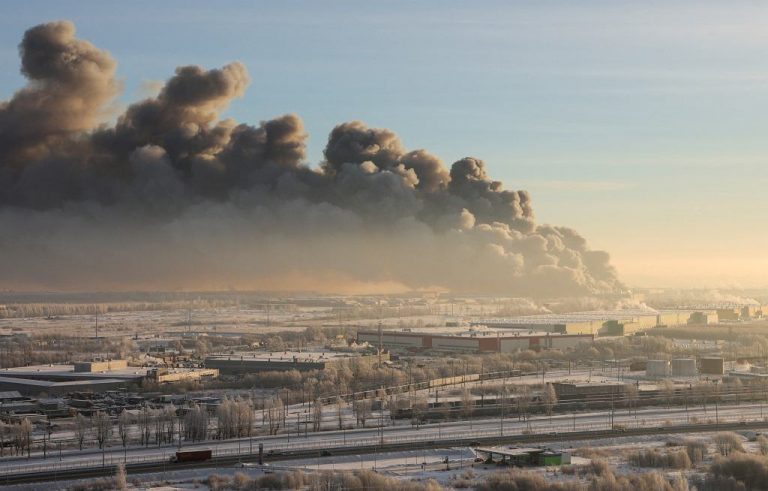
x=640 y=124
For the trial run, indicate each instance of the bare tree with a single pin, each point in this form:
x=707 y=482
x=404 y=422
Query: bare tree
x=274 y=415
x=728 y=442
x=145 y=419
x=23 y=437
x=3 y=437
x=245 y=418
x=102 y=424
x=339 y=413
x=121 y=481
x=668 y=391
x=702 y=391
x=169 y=418
x=159 y=421
x=234 y=418
x=550 y=399
x=419 y=405
x=737 y=387
x=523 y=399
x=467 y=405
x=317 y=415
x=82 y=425
x=632 y=394
x=123 y=425
x=196 y=423
x=362 y=410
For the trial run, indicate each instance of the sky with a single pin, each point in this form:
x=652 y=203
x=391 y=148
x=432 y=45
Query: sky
x=640 y=124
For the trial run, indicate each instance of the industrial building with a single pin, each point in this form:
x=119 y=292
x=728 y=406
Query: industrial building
x=603 y=322
x=733 y=313
x=95 y=376
x=703 y=318
x=473 y=341
x=523 y=457
x=303 y=361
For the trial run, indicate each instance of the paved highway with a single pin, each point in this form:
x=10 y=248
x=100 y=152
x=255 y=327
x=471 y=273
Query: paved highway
x=444 y=432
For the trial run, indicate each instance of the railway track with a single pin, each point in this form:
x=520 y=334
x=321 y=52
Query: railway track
x=276 y=456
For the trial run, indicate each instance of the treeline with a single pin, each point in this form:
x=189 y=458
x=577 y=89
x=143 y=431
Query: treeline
x=25 y=310
x=54 y=348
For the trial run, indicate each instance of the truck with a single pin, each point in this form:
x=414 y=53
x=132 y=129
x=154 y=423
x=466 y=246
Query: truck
x=200 y=455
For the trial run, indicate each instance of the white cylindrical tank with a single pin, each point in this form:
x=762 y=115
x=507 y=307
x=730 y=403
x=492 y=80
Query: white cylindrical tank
x=684 y=367
x=657 y=368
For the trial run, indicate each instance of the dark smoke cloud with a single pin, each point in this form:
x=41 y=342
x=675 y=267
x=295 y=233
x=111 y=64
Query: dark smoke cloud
x=172 y=195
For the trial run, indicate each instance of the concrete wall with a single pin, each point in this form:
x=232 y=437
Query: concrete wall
x=674 y=318
x=684 y=367
x=567 y=342
x=392 y=340
x=236 y=366
x=510 y=345
x=456 y=344
x=657 y=368
x=586 y=327
x=188 y=375
x=712 y=366
x=728 y=315
x=700 y=318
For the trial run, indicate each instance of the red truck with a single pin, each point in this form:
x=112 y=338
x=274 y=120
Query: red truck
x=192 y=455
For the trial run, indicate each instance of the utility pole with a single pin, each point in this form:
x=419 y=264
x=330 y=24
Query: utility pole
x=503 y=395
x=717 y=396
x=381 y=341
x=97 y=324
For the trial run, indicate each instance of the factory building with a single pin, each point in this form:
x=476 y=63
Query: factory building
x=94 y=376
x=703 y=318
x=596 y=323
x=733 y=313
x=603 y=322
x=303 y=361
x=472 y=341
x=728 y=315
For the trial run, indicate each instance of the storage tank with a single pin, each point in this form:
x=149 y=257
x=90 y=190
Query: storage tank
x=712 y=366
x=684 y=367
x=657 y=368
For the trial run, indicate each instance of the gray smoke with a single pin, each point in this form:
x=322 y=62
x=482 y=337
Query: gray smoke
x=173 y=196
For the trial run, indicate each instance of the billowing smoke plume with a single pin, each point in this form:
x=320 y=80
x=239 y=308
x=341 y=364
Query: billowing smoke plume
x=171 y=195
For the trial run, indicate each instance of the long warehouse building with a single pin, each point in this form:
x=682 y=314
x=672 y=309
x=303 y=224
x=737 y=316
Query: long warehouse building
x=602 y=322
x=472 y=343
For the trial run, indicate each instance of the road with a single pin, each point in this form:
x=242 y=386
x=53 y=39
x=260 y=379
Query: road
x=398 y=435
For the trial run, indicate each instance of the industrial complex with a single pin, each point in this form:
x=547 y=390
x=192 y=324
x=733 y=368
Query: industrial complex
x=95 y=376
x=261 y=361
x=622 y=322
x=472 y=341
